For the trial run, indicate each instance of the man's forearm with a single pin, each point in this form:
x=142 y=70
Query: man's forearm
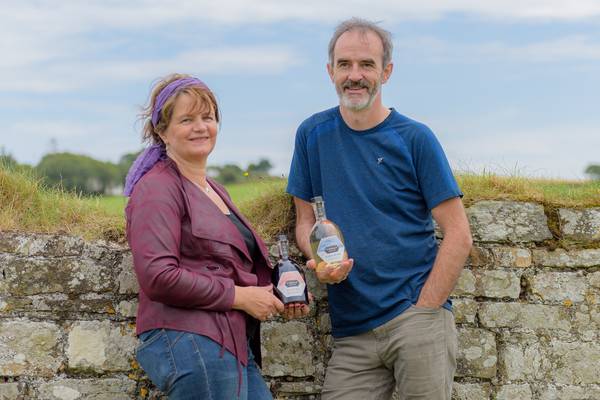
x=303 y=239
x=446 y=270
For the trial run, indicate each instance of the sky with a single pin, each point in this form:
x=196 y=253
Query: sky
x=510 y=87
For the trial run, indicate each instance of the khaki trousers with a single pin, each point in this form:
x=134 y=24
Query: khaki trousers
x=414 y=353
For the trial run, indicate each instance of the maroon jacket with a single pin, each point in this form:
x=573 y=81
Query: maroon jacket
x=188 y=256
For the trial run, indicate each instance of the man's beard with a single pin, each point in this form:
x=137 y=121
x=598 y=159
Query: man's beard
x=364 y=103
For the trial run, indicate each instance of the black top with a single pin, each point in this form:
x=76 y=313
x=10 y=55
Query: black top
x=251 y=323
x=246 y=233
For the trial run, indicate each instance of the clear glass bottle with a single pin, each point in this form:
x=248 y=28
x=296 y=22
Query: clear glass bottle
x=288 y=279
x=326 y=239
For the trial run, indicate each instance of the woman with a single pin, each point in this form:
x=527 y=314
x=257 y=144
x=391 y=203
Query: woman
x=204 y=274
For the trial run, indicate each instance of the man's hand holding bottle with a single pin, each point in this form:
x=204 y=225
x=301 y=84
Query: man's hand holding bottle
x=329 y=274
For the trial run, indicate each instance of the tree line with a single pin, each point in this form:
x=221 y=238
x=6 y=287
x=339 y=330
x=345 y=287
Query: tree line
x=88 y=176
x=593 y=171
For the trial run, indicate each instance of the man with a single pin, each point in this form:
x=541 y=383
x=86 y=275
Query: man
x=382 y=176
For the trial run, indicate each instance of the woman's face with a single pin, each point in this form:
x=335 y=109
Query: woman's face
x=192 y=131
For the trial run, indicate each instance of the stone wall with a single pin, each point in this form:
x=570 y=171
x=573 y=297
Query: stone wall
x=527 y=308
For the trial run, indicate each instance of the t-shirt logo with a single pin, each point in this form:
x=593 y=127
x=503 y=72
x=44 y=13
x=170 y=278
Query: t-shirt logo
x=379 y=160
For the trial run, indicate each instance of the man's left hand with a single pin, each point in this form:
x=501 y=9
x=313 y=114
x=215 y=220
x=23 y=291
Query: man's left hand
x=425 y=304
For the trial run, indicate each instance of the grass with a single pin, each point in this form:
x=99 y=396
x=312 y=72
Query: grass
x=27 y=205
x=550 y=192
x=242 y=193
x=114 y=205
x=272 y=211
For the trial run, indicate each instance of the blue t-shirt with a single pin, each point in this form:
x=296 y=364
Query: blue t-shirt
x=379 y=186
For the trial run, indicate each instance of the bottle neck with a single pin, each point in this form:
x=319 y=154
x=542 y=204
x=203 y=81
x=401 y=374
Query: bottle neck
x=284 y=253
x=319 y=209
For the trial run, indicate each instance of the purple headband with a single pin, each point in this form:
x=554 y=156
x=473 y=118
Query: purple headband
x=170 y=90
x=151 y=155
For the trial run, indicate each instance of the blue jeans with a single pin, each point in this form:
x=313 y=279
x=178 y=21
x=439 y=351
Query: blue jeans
x=187 y=366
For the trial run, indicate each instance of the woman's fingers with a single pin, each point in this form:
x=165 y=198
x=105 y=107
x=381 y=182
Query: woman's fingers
x=278 y=305
x=296 y=310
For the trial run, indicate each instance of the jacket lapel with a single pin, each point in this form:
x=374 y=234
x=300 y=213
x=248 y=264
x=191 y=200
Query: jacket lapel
x=260 y=243
x=208 y=222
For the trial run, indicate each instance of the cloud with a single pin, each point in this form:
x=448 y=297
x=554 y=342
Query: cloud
x=568 y=48
x=510 y=150
x=155 y=13
x=221 y=60
x=60 y=46
x=67 y=75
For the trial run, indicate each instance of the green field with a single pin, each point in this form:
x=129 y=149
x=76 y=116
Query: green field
x=239 y=192
x=113 y=204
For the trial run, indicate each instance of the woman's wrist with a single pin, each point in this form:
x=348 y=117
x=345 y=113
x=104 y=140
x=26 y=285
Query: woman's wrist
x=238 y=298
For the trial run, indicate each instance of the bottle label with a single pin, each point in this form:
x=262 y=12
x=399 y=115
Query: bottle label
x=331 y=249
x=291 y=284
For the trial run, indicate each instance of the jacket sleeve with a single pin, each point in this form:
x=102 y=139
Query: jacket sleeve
x=154 y=235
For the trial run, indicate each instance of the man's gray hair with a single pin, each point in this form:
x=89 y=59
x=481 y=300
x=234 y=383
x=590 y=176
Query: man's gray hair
x=363 y=25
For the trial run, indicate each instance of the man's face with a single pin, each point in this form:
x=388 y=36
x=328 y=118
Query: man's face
x=357 y=69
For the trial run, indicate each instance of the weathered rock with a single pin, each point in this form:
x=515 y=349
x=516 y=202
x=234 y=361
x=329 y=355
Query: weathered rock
x=12 y=391
x=479 y=257
x=594 y=279
x=586 y=322
x=97 y=389
x=465 y=310
x=325 y=323
x=499 y=256
x=508 y=221
x=31 y=276
x=103 y=252
x=511 y=257
x=29 y=348
x=100 y=346
x=471 y=391
x=127 y=280
x=517 y=350
x=41 y=245
x=567 y=259
x=552 y=392
x=477 y=356
x=583 y=225
x=318 y=289
x=525 y=357
x=575 y=363
x=594 y=312
x=559 y=286
x=57 y=303
x=518 y=315
x=9 y=242
x=127 y=309
x=11 y=304
x=298 y=388
x=522 y=358
x=498 y=283
x=465 y=286
x=289 y=350
x=512 y=392
x=495 y=283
